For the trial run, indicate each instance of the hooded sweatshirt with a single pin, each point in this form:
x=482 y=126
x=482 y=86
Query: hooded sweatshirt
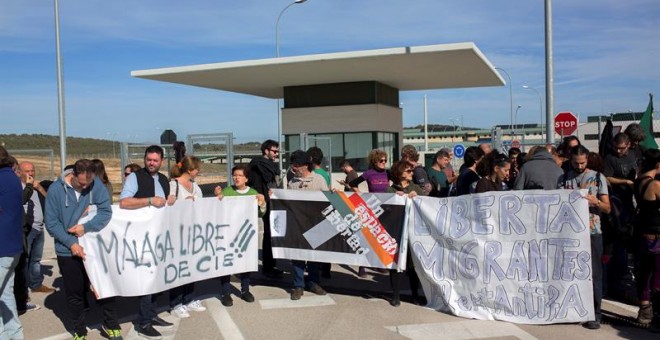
x=63 y=210
x=540 y=172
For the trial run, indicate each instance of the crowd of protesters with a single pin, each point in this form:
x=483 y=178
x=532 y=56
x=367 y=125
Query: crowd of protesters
x=623 y=195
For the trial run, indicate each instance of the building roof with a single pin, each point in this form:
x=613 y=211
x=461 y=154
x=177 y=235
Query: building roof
x=443 y=66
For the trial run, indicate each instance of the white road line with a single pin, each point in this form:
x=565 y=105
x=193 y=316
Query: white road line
x=62 y=336
x=469 y=329
x=305 y=301
x=168 y=334
x=223 y=320
x=633 y=309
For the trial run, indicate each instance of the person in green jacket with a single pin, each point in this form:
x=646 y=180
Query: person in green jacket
x=239 y=175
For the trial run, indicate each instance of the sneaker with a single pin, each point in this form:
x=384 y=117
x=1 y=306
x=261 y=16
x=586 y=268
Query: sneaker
x=316 y=289
x=297 y=293
x=79 y=337
x=43 y=289
x=247 y=296
x=159 y=322
x=148 y=332
x=591 y=325
x=362 y=272
x=645 y=314
x=180 y=311
x=274 y=273
x=112 y=334
x=29 y=306
x=195 y=306
x=226 y=300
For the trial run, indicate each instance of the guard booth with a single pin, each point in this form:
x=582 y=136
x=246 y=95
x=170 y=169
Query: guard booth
x=350 y=98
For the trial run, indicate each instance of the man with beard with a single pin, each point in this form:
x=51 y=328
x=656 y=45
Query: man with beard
x=580 y=177
x=71 y=200
x=264 y=175
x=144 y=188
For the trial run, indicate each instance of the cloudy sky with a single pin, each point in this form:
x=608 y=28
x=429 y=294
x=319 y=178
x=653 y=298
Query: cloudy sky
x=606 y=58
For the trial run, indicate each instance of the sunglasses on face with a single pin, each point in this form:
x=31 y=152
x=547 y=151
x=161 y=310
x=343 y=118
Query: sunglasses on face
x=274 y=151
x=384 y=160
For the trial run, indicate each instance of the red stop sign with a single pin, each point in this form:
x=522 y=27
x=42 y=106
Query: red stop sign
x=565 y=123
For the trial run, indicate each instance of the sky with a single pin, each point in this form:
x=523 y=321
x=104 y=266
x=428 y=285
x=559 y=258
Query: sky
x=606 y=59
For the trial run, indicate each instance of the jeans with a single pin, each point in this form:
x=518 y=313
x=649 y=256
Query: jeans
x=597 y=271
x=299 y=273
x=10 y=325
x=226 y=283
x=76 y=284
x=35 y=250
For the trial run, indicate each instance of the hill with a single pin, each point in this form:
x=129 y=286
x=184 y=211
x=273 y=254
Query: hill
x=81 y=146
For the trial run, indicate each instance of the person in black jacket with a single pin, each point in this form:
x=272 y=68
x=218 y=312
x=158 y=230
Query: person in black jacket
x=264 y=174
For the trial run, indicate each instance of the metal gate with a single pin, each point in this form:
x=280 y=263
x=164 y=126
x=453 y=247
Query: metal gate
x=213 y=149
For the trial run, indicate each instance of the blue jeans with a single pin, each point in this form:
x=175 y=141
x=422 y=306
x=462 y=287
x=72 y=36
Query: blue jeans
x=35 y=250
x=299 y=273
x=10 y=325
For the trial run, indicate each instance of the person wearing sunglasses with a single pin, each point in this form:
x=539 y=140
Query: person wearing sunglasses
x=403 y=184
x=377 y=180
x=264 y=174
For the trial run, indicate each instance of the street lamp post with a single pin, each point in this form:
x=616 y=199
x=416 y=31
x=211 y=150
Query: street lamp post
x=60 y=89
x=515 y=119
x=510 y=96
x=453 y=122
x=540 y=105
x=277 y=54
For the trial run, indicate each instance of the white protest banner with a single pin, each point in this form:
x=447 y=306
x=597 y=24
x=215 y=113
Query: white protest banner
x=517 y=256
x=340 y=227
x=150 y=250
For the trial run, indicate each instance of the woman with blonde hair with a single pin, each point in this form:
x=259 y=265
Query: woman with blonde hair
x=183 y=187
x=377 y=180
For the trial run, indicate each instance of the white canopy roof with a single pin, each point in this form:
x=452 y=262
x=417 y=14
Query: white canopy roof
x=443 y=66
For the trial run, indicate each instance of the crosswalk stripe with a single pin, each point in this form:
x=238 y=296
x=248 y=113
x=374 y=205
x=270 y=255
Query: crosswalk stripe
x=458 y=330
x=223 y=320
x=305 y=301
x=632 y=309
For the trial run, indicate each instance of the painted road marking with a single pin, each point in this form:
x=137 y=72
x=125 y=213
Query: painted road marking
x=629 y=308
x=223 y=320
x=469 y=329
x=305 y=301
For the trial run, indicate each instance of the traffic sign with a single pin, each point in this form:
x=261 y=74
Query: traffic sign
x=459 y=150
x=515 y=144
x=565 y=123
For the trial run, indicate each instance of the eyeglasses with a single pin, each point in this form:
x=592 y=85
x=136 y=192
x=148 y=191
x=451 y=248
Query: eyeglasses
x=383 y=160
x=409 y=171
x=274 y=151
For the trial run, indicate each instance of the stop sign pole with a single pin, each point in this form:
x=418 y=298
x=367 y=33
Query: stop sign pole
x=565 y=123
